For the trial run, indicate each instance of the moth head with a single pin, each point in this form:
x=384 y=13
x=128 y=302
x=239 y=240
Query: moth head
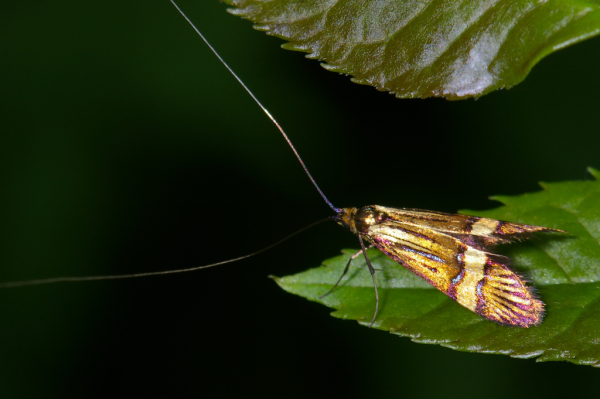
x=358 y=221
x=346 y=218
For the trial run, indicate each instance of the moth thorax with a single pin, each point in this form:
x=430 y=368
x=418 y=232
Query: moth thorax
x=366 y=217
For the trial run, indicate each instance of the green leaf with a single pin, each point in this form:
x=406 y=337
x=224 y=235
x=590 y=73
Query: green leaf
x=422 y=48
x=565 y=269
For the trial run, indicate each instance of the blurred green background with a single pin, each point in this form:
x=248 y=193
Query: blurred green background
x=126 y=147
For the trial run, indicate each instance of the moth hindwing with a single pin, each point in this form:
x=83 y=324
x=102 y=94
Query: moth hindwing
x=452 y=253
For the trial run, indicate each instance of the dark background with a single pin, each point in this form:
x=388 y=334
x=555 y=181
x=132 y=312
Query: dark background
x=126 y=147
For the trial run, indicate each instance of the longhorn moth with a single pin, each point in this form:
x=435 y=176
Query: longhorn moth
x=451 y=252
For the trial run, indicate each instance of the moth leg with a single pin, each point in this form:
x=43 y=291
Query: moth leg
x=372 y=271
x=343 y=274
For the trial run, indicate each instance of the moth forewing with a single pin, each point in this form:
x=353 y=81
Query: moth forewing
x=451 y=252
x=488 y=231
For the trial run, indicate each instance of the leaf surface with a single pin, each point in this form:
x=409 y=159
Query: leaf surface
x=421 y=48
x=565 y=269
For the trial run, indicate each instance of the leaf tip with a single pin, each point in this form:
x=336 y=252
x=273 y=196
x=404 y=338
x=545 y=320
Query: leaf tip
x=503 y=199
x=594 y=172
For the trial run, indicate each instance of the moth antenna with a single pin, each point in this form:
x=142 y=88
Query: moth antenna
x=135 y=275
x=336 y=210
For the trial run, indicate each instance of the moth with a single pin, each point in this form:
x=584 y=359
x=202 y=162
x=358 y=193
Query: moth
x=451 y=252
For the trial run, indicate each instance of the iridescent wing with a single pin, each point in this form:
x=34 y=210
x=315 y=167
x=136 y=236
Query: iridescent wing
x=478 y=232
x=478 y=280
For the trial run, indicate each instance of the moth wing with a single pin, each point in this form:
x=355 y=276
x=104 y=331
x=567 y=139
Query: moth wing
x=475 y=231
x=478 y=280
x=505 y=297
x=429 y=254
